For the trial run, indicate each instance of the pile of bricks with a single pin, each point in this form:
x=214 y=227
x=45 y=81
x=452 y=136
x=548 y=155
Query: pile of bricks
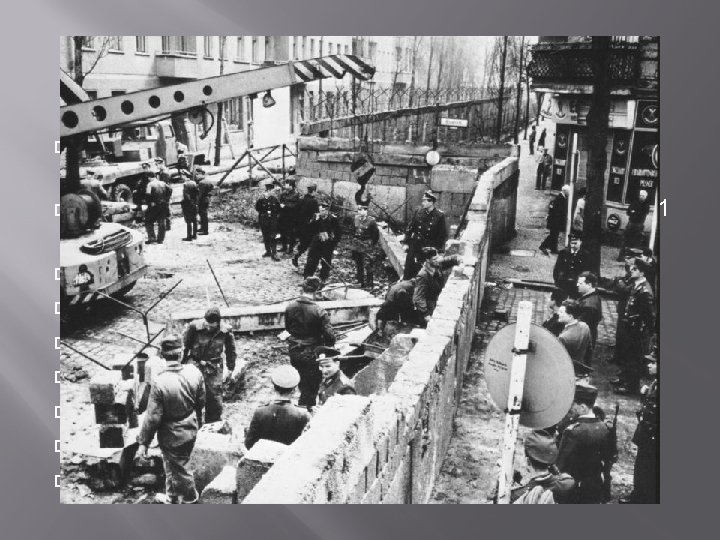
x=113 y=399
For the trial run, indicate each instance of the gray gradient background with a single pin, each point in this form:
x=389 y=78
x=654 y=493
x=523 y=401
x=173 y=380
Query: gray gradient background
x=29 y=505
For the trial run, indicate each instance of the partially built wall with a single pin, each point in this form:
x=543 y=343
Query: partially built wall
x=401 y=174
x=388 y=447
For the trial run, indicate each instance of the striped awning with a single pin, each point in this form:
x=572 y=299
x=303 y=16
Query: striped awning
x=70 y=91
x=336 y=66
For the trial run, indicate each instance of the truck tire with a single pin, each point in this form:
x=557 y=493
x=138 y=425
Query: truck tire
x=122 y=193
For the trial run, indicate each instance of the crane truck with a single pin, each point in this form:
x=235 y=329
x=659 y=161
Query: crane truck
x=100 y=259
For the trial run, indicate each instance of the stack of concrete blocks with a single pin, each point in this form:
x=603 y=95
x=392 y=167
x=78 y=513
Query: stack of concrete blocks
x=114 y=405
x=237 y=479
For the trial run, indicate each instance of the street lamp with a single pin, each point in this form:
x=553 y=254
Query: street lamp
x=267 y=100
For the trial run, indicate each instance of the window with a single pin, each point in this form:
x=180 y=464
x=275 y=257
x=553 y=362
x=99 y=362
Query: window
x=329 y=48
x=234 y=113
x=88 y=42
x=339 y=49
x=240 y=50
x=255 y=50
x=347 y=49
x=268 y=48
x=92 y=94
x=141 y=44
x=373 y=51
x=114 y=93
x=207 y=46
x=179 y=45
x=312 y=48
x=115 y=43
x=304 y=47
x=294 y=48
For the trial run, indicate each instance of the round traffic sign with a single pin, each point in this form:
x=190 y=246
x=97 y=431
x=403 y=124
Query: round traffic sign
x=549 y=376
x=432 y=158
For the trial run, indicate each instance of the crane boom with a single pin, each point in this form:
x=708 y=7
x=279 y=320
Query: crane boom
x=87 y=116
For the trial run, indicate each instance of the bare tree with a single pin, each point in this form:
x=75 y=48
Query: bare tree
x=501 y=92
x=518 y=91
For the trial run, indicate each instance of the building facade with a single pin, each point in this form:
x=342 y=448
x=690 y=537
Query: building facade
x=115 y=65
x=562 y=71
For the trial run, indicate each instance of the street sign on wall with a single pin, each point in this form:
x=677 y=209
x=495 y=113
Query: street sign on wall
x=454 y=122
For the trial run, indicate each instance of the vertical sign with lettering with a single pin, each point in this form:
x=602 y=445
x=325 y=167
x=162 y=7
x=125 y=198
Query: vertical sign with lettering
x=562 y=142
x=644 y=167
x=618 y=165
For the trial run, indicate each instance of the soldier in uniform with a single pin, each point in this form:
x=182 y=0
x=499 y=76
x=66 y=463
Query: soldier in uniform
x=584 y=448
x=164 y=175
x=570 y=263
x=398 y=305
x=155 y=213
x=309 y=327
x=636 y=212
x=280 y=421
x=365 y=239
x=325 y=232
x=189 y=207
x=636 y=324
x=428 y=228
x=268 y=209
x=289 y=203
x=174 y=412
x=334 y=380
x=541 y=452
x=205 y=188
x=647 y=440
x=307 y=209
x=552 y=323
x=140 y=189
x=205 y=342
x=430 y=281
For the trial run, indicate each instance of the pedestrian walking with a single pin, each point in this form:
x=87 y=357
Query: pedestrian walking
x=325 y=232
x=156 y=209
x=364 y=242
x=585 y=448
x=280 y=420
x=205 y=188
x=636 y=212
x=427 y=228
x=309 y=328
x=174 y=412
x=288 y=221
x=557 y=214
x=531 y=140
x=189 y=207
x=307 y=210
x=268 y=209
x=206 y=342
x=334 y=381
x=570 y=263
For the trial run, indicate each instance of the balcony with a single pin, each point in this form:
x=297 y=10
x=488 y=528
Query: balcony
x=564 y=63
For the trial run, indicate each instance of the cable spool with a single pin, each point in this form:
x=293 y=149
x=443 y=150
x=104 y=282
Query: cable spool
x=77 y=211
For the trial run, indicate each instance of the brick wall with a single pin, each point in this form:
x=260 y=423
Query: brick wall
x=388 y=448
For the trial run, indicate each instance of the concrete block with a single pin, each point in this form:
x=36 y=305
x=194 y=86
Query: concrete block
x=119 y=412
x=255 y=464
x=223 y=488
x=212 y=452
x=112 y=435
x=104 y=386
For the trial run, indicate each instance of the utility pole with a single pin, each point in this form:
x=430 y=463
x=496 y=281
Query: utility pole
x=501 y=93
x=219 y=116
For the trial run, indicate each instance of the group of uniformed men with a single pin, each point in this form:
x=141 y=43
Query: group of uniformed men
x=190 y=391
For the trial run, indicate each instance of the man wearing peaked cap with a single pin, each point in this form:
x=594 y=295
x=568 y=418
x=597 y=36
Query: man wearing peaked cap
x=174 y=412
x=280 y=420
x=205 y=188
x=428 y=228
x=306 y=210
x=325 y=233
x=268 y=209
x=309 y=328
x=585 y=448
x=206 y=341
x=334 y=380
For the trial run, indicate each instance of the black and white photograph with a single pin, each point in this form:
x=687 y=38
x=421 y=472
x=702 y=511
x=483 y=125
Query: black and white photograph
x=359 y=269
